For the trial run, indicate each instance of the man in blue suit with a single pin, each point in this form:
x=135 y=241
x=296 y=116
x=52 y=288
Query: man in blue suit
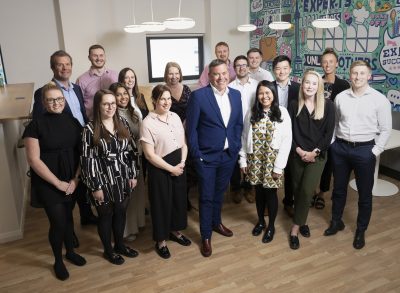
x=214 y=126
x=61 y=65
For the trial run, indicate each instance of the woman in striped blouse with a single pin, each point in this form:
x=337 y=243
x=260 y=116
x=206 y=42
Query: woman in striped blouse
x=109 y=169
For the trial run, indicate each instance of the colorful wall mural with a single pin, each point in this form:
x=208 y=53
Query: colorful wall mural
x=369 y=30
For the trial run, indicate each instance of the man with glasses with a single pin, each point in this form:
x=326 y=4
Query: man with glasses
x=61 y=65
x=247 y=87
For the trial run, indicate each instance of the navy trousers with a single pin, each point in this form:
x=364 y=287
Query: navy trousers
x=345 y=158
x=213 y=181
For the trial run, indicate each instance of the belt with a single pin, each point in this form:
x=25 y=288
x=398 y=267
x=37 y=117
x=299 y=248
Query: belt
x=355 y=143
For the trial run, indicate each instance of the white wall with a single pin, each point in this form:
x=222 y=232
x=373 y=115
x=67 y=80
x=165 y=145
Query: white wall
x=44 y=26
x=28 y=36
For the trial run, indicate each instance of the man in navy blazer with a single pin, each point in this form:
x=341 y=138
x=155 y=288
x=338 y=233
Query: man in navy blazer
x=61 y=65
x=288 y=91
x=214 y=126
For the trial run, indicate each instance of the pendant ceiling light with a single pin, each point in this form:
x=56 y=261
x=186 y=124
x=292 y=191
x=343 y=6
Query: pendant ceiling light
x=246 y=27
x=134 y=28
x=179 y=23
x=153 y=26
x=326 y=22
x=280 y=25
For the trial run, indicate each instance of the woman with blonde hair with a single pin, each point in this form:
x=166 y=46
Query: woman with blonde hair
x=52 y=142
x=313 y=120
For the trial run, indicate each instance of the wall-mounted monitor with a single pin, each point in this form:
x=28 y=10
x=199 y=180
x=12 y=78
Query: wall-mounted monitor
x=187 y=51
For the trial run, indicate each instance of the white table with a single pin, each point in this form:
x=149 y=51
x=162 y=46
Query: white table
x=383 y=187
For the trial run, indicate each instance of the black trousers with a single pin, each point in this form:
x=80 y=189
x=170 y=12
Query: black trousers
x=236 y=181
x=346 y=158
x=326 y=176
x=288 y=200
x=168 y=198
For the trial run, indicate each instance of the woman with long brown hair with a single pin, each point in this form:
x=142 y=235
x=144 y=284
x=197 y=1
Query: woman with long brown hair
x=109 y=169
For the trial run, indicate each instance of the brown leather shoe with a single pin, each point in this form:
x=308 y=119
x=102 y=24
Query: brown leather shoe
x=221 y=229
x=206 y=249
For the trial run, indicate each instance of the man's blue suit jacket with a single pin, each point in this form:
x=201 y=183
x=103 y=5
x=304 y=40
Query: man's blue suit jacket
x=206 y=131
x=38 y=108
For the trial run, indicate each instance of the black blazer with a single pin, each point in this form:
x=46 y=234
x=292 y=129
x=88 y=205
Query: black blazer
x=38 y=108
x=338 y=86
x=294 y=89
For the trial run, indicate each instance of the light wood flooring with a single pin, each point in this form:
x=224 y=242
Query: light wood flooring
x=241 y=263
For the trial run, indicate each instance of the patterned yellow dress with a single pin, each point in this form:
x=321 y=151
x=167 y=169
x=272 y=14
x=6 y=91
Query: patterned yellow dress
x=261 y=161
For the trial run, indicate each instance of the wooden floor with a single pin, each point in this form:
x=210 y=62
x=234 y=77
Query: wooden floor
x=238 y=264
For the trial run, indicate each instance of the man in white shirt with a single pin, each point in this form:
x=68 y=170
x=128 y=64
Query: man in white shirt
x=247 y=88
x=363 y=126
x=214 y=124
x=254 y=56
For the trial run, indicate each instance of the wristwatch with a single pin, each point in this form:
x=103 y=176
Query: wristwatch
x=317 y=151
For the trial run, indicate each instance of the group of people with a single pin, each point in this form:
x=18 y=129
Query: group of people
x=97 y=142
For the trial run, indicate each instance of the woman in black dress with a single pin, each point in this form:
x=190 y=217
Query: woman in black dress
x=109 y=170
x=52 y=149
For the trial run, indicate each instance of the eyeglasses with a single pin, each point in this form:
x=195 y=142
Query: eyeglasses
x=58 y=100
x=109 y=105
x=241 y=66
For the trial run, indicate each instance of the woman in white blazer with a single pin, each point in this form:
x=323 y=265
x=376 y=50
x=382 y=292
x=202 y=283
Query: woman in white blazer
x=266 y=143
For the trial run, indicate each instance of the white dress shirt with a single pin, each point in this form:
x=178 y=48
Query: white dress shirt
x=364 y=118
x=261 y=74
x=283 y=94
x=247 y=91
x=225 y=107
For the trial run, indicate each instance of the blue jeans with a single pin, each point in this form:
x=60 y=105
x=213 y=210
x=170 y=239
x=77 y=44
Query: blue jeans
x=346 y=158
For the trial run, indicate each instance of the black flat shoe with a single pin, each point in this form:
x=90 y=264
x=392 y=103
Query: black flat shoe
x=258 y=228
x=76 y=259
x=334 y=227
x=163 y=251
x=305 y=231
x=359 y=240
x=61 y=271
x=114 y=258
x=269 y=235
x=294 y=242
x=182 y=240
x=126 y=251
